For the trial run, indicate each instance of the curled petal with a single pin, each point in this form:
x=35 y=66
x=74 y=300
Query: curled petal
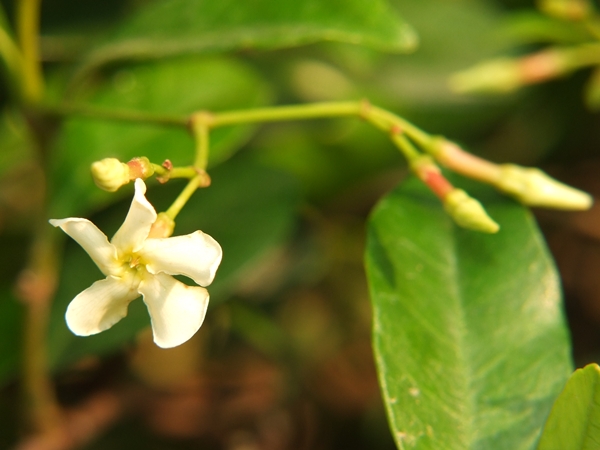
x=93 y=241
x=101 y=305
x=176 y=310
x=130 y=237
x=195 y=255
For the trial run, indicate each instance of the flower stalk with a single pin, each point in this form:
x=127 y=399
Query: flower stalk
x=402 y=133
x=28 y=24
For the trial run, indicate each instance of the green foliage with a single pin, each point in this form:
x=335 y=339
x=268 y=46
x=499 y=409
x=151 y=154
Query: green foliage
x=166 y=28
x=470 y=341
x=471 y=344
x=574 y=422
x=176 y=87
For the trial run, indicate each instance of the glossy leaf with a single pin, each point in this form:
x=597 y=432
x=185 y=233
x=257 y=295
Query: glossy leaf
x=574 y=423
x=470 y=340
x=248 y=209
x=177 y=87
x=165 y=28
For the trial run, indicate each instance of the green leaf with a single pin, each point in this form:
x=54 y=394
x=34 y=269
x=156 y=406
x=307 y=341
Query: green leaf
x=532 y=27
x=470 y=340
x=177 y=87
x=165 y=28
x=574 y=422
x=248 y=209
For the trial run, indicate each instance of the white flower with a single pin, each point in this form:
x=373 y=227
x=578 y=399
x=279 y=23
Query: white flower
x=135 y=265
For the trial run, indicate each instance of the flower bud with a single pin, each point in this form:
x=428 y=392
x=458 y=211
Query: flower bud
x=506 y=75
x=495 y=76
x=566 y=9
x=468 y=212
x=534 y=188
x=110 y=174
x=162 y=227
x=140 y=167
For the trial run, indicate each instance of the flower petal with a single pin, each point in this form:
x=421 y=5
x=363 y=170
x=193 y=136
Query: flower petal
x=93 y=241
x=195 y=255
x=130 y=237
x=101 y=305
x=176 y=310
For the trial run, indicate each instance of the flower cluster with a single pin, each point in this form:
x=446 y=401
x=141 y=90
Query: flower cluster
x=135 y=264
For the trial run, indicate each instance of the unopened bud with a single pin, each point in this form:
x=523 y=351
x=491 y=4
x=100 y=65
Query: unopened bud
x=504 y=75
x=468 y=212
x=163 y=227
x=533 y=187
x=495 y=76
x=110 y=174
x=140 y=167
x=566 y=9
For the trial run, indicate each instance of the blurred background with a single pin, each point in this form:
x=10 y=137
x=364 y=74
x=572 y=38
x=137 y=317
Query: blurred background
x=284 y=359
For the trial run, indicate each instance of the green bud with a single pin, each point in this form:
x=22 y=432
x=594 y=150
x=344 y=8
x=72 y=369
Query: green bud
x=468 y=212
x=566 y=9
x=494 y=76
x=535 y=188
x=110 y=174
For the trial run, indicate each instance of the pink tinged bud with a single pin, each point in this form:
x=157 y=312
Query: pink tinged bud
x=504 y=75
x=541 y=67
x=535 y=188
x=163 y=227
x=110 y=174
x=140 y=168
x=438 y=183
x=431 y=175
x=468 y=212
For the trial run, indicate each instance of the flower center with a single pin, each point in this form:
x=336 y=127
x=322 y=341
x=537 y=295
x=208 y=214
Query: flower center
x=134 y=261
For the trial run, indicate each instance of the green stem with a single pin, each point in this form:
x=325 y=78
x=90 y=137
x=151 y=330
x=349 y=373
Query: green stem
x=11 y=55
x=28 y=22
x=175 y=172
x=37 y=284
x=408 y=150
x=184 y=196
x=387 y=121
x=283 y=113
x=200 y=123
x=118 y=115
x=378 y=117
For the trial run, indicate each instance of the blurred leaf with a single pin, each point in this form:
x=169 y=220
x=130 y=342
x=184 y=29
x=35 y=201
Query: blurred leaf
x=574 y=10
x=532 y=27
x=177 y=87
x=453 y=35
x=165 y=28
x=592 y=91
x=248 y=209
x=574 y=422
x=471 y=344
x=15 y=141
